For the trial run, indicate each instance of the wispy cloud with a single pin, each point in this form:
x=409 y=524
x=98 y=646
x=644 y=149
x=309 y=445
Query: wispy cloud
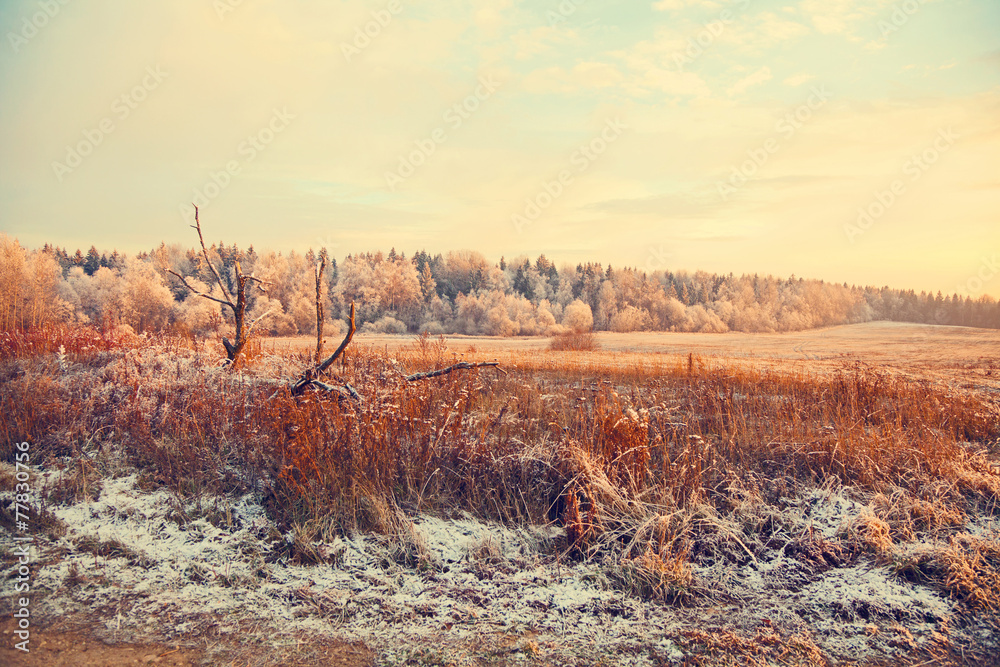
x=746 y=67
x=676 y=5
x=799 y=79
x=758 y=77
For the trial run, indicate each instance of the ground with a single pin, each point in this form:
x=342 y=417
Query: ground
x=56 y=646
x=474 y=593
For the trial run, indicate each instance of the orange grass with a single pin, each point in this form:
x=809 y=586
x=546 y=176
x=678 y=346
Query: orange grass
x=601 y=442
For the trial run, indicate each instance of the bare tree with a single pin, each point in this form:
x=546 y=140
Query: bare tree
x=310 y=377
x=239 y=307
x=319 y=304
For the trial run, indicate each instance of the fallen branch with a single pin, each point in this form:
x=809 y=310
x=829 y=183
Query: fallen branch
x=347 y=391
x=310 y=376
x=455 y=367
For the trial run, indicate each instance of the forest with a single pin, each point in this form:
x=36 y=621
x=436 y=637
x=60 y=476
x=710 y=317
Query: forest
x=459 y=292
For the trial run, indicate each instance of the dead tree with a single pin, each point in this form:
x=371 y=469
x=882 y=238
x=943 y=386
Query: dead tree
x=319 y=305
x=243 y=285
x=311 y=376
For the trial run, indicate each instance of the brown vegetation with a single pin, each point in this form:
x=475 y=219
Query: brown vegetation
x=574 y=341
x=651 y=467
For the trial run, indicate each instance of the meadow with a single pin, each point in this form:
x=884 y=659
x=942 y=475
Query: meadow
x=824 y=497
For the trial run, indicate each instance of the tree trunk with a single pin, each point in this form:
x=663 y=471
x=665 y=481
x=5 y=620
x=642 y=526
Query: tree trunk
x=319 y=308
x=309 y=377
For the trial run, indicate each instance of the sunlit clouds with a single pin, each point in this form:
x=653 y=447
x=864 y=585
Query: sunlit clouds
x=719 y=167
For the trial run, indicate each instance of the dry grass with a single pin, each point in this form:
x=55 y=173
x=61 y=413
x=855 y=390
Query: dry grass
x=972 y=572
x=644 y=461
x=767 y=647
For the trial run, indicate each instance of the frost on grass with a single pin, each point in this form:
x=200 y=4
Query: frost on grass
x=153 y=567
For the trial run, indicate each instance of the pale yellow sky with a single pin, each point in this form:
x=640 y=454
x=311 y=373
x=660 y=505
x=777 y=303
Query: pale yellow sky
x=679 y=134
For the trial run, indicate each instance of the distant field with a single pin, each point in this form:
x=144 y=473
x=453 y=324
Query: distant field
x=964 y=356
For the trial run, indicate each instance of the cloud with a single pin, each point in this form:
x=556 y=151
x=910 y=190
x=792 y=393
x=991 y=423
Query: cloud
x=584 y=77
x=528 y=43
x=760 y=76
x=675 y=5
x=842 y=17
x=747 y=35
x=775 y=29
x=493 y=17
x=799 y=79
x=991 y=57
x=597 y=74
x=657 y=79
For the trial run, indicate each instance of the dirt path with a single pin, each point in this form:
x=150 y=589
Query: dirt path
x=53 y=647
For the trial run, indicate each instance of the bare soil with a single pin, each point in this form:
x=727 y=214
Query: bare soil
x=59 y=646
x=55 y=648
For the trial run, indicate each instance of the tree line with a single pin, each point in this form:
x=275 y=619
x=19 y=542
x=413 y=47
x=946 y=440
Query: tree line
x=455 y=292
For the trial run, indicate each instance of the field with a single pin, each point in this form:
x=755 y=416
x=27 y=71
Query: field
x=966 y=356
x=825 y=497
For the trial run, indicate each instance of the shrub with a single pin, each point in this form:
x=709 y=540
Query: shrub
x=574 y=341
x=432 y=328
x=385 y=325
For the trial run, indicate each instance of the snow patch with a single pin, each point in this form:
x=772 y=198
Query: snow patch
x=477 y=579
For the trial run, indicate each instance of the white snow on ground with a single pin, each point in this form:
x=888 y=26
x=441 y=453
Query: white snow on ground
x=475 y=579
x=829 y=511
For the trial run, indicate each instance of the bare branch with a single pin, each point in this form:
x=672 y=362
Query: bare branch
x=260 y=283
x=348 y=389
x=343 y=346
x=455 y=367
x=204 y=252
x=239 y=306
x=254 y=323
x=199 y=293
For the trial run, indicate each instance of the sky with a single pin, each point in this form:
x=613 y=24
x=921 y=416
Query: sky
x=853 y=141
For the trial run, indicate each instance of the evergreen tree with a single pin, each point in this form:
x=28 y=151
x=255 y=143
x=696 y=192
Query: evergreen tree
x=64 y=261
x=92 y=262
x=521 y=284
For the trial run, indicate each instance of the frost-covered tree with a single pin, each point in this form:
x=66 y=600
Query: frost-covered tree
x=578 y=317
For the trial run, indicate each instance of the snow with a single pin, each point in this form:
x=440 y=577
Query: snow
x=475 y=579
x=829 y=512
